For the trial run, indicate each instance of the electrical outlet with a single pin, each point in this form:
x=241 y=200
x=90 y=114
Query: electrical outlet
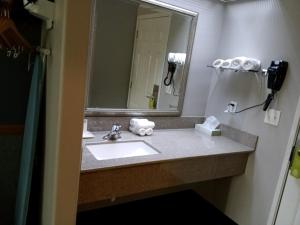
x=272 y=117
x=231 y=107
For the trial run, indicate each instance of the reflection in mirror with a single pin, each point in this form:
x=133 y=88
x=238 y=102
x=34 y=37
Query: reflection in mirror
x=138 y=56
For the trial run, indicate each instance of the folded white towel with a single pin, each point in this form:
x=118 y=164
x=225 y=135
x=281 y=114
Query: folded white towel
x=237 y=63
x=147 y=125
x=226 y=64
x=136 y=121
x=218 y=63
x=251 y=64
x=141 y=123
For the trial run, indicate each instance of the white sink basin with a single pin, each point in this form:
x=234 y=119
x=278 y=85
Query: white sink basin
x=115 y=150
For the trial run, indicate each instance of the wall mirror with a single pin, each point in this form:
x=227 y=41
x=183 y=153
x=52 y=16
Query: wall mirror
x=138 y=58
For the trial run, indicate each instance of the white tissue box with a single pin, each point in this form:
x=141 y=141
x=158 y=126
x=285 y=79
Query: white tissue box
x=203 y=129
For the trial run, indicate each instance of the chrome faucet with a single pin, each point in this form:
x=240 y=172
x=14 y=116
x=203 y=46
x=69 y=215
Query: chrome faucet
x=114 y=134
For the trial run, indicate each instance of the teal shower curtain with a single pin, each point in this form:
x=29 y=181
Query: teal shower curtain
x=29 y=142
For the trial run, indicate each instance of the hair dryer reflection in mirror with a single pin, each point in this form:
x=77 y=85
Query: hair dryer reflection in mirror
x=174 y=60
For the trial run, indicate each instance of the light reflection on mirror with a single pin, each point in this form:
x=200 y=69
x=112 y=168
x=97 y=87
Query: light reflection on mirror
x=133 y=65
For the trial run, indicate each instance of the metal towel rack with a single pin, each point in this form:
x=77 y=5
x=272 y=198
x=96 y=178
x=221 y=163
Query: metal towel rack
x=262 y=71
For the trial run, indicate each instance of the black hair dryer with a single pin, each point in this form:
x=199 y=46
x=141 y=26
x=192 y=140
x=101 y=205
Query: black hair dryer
x=171 y=71
x=276 y=75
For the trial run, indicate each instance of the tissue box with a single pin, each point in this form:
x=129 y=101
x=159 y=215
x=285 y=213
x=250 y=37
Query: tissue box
x=203 y=129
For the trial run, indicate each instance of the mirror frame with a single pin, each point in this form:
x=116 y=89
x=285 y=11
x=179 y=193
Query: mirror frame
x=102 y=112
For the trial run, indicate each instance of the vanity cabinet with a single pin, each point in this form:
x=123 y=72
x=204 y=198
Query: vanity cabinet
x=104 y=186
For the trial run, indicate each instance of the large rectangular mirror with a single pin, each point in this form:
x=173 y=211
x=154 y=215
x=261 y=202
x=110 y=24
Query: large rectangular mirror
x=139 y=58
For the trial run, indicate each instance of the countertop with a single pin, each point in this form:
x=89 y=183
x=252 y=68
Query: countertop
x=173 y=144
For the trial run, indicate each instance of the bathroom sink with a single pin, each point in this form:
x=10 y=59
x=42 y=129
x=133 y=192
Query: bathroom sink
x=115 y=150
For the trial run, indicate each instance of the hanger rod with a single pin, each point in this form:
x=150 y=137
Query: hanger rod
x=44 y=51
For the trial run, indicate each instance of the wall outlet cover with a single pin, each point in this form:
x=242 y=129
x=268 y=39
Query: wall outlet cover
x=272 y=117
x=231 y=107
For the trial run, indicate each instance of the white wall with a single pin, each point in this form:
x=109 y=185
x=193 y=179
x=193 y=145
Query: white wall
x=111 y=61
x=266 y=29
x=177 y=42
x=207 y=38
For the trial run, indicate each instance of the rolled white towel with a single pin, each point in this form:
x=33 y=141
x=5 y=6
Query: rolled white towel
x=142 y=123
x=238 y=62
x=141 y=131
x=251 y=64
x=149 y=131
x=226 y=64
x=217 y=63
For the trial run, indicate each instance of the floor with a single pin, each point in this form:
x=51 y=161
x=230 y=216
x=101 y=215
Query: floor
x=186 y=208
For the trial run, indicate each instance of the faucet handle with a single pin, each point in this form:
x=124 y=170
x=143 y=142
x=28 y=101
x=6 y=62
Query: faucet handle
x=116 y=127
x=115 y=132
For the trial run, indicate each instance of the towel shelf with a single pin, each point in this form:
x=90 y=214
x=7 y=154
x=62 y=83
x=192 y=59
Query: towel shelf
x=235 y=70
x=263 y=72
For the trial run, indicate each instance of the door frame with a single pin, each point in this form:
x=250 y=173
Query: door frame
x=285 y=167
x=66 y=78
x=140 y=17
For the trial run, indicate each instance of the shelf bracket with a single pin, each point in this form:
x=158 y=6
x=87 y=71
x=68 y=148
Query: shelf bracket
x=42 y=9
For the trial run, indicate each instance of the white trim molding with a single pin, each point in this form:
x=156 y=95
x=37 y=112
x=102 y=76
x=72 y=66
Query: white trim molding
x=285 y=167
x=172 y=7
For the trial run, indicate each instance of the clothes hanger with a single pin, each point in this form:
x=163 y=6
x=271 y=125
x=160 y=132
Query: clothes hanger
x=10 y=37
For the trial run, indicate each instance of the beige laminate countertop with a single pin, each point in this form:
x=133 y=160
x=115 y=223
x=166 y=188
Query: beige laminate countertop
x=173 y=144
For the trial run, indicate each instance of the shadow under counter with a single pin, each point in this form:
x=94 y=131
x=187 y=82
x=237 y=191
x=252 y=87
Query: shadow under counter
x=185 y=207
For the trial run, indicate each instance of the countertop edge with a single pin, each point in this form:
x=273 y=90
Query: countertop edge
x=83 y=171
